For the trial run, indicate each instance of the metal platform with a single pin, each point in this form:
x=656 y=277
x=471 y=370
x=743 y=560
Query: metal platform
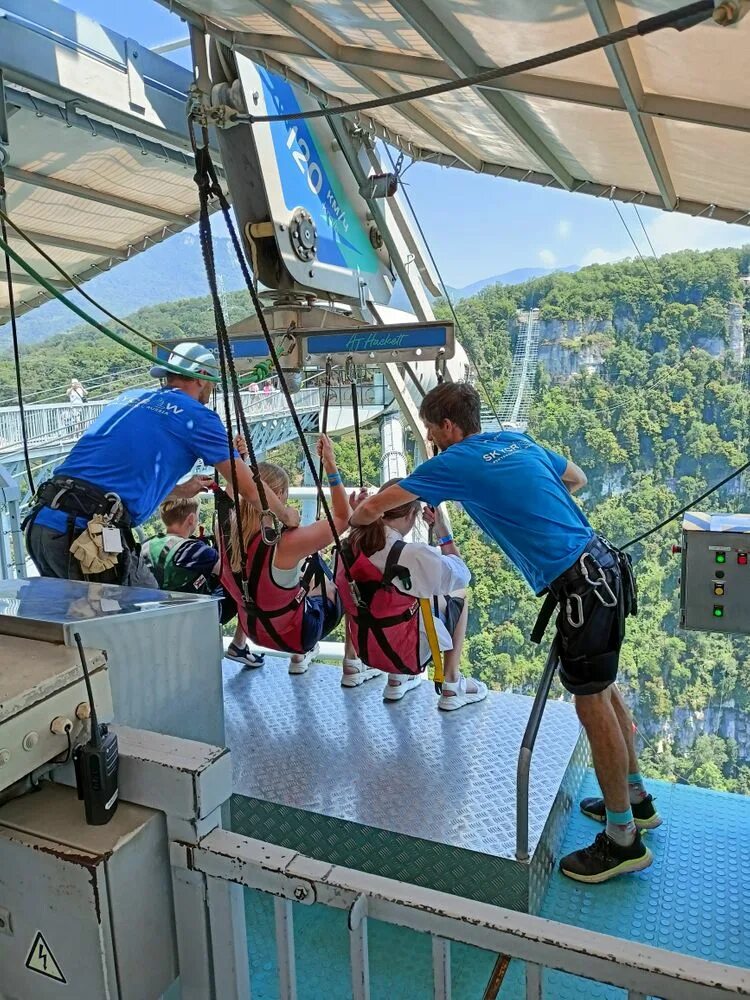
x=340 y=775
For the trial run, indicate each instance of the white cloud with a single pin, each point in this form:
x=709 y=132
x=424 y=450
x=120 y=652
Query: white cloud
x=547 y=258
x=668 y=233
x=563 y=228
x=601 y=256
x=671 y=231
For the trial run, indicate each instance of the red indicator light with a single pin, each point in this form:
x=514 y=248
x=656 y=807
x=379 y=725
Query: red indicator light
x=742 y=558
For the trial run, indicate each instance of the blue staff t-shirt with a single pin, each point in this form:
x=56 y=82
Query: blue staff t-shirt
x=140 y=447
x=512 y=488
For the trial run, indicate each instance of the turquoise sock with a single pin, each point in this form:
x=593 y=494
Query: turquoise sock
x=621 y=827
x=636 y=789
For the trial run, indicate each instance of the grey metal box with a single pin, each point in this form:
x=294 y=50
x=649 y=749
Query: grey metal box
x=715 y=584
x=100 y=897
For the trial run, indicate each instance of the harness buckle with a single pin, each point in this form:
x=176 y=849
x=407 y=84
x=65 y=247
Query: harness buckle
x=356 y=596
x=270 y=531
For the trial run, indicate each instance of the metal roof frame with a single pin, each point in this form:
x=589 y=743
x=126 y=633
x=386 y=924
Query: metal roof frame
x=71 y=73
x=325 y=38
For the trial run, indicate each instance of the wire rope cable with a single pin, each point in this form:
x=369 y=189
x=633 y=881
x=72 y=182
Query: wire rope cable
x=682 y=17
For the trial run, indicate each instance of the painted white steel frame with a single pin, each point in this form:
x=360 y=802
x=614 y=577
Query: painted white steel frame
x=540 y=943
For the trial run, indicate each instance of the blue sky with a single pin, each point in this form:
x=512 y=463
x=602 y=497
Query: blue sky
x=480 y=226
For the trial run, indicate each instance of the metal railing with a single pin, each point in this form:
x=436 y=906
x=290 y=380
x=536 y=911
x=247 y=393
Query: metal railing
x=541 y=944
x=528 y=743
x=51 y=423
x=47 y=422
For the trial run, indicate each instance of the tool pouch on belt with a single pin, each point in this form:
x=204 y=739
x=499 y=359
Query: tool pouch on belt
x=88 y=548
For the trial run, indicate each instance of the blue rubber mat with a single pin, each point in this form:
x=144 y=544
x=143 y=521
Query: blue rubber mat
x=690 y=901
x=693 y=899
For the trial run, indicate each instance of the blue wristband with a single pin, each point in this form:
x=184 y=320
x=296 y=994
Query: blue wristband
x=335 y=479
x=446 y=540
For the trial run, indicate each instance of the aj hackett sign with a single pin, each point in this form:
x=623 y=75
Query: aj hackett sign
x=384 y=343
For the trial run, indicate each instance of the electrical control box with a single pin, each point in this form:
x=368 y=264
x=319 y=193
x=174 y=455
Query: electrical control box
x=715 y=581
x=44 y=707
x=86 y=912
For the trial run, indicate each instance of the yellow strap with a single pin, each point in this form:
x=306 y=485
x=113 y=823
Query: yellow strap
x=425 y=607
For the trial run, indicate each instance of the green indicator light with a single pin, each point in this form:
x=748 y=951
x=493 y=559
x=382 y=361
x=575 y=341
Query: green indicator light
x=718 y=611
x=721 y=557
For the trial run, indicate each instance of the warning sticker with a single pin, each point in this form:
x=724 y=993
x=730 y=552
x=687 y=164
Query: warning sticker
x=43 y=961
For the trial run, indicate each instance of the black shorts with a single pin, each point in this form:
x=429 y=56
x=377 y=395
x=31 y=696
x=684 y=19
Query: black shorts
x=453 y=608
x=322 y=615
x=590 y=633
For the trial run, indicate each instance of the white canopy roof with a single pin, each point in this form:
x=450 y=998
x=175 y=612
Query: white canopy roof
x=98 y=161
x=663 y=120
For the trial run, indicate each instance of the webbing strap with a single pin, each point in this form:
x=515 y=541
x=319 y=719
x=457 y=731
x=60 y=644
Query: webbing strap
x=437 y=656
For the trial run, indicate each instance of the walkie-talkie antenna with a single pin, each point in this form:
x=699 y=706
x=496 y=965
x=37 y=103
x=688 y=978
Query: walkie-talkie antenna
x=95 y=732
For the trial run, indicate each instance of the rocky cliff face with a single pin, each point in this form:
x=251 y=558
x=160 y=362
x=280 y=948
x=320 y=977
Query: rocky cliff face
x=571 y=347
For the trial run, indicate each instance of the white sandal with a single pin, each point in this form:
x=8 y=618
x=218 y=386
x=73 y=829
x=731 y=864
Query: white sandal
x=300 y=666
x=407 y=682
x=358 y=673
x=460 y=696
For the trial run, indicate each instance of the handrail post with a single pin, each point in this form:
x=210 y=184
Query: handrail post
x=523 y=769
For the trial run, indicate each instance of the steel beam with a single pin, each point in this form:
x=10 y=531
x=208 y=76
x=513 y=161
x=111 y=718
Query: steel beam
x=606 y=18
x=427 y=23
x=258 y=46
x=35 y=179
x=302 y=27
x=64 y=243
x=21 y=278
x=68 y=57
x=72 y=117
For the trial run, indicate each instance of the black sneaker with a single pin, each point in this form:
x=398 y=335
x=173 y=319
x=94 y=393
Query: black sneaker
x=605 y=859
x=645 y=815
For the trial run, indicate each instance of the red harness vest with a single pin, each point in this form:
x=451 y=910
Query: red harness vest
x=384 y=624
x=272 y=616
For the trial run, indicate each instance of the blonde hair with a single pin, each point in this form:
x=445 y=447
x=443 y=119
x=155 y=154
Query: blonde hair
x=276 y=479
x=176 y=511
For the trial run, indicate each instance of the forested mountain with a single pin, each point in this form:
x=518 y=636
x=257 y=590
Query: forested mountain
x=659 y=421
x=643 y=383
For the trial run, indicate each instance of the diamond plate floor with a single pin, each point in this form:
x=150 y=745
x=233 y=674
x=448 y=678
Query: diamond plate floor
x=307 y=743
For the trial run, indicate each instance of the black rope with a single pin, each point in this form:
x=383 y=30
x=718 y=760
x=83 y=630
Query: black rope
x=229 y=380
x=14 y=336
x=687 y=507
x=682 y=17
x=216 y=190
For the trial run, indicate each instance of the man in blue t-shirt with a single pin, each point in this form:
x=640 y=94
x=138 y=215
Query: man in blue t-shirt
x=126 y=463
x=520 y=494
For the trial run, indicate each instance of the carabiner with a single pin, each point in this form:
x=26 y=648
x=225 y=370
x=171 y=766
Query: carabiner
x=440 y=365
x=270 y=531
x=600 y=584
x=350 y=370
x=569 y=611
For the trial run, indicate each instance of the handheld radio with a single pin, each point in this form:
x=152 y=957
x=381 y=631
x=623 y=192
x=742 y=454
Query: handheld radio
x=97 y=763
